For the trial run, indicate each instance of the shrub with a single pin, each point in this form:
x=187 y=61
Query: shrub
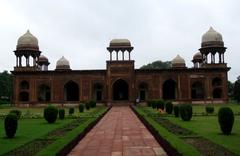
x=61 y=113
x=176 y=110
x=160 y=104
x=185 y=112
x=81 y=107
x=87 y=105
x=149 y=103
x=92 y=103
x=226 y=120
x=153 y=104
x=209 y=109
x=169 y=107
x=50 y=114
x=11 y=124
x=17 y=112
x=71 y=111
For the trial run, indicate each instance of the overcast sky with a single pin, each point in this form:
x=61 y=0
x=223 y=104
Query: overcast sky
x=82 y=29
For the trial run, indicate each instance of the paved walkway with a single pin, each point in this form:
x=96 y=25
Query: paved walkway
x=119 y=133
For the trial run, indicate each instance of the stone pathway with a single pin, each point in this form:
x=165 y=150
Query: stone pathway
x=119 y=133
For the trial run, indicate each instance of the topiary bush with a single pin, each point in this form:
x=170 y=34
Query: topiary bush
x=160 y=104
x=226 y=119
x=61 y=113
x=169 y=107
x=176 y=110
x=17 y=112
x=92 y=103
x=10 y=125
x=185 y=112
x=209 y=109
x=81 y=107
x=153 y=104
x=71 y=111
x=87 y=105
x=50 y=114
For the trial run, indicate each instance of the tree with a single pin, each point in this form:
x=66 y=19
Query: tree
x=157 y=65
x=236 y=90
x=230 y=89
x=5 y=86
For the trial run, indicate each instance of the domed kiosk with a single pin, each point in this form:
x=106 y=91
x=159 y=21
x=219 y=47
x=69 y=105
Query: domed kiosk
x=63 y=64
x=178 y=62
x=27 y=48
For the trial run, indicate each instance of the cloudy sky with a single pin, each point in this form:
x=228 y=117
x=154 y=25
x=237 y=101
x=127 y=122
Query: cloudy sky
x=81 y=30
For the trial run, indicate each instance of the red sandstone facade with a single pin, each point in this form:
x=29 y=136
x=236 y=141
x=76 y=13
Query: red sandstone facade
x=34 y=84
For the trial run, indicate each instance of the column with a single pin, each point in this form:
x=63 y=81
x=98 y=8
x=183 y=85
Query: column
x=122 y=55
x=129 y=56
x=110 y=56
x=117 y=55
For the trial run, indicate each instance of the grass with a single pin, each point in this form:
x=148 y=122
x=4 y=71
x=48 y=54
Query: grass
x=182 y=147
x=30 y=129
x=205 y=126
x=208 y=127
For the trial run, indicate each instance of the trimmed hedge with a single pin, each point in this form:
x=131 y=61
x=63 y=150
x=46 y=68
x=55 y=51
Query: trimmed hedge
x=92 y=103
x=176 y=110
x=10 y=125
x=169 y=107
x=209 y=109
x=50 y=114
x=61 y=113
x=87 y=106
x=17 y=112
x=185 y=112
x=157 y=103
x=81 y=107
x=71 y=111
x=226 y=120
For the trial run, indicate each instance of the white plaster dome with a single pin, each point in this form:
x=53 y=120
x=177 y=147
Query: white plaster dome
x=62 y=63
x=42 y=58
x=178 y=60
x=120 y=42
x=27 y=41
x=212 y=37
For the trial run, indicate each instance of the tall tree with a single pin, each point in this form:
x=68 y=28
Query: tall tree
x=236 y=90
x=157 y=65
x=230 y=89
x=5 y=86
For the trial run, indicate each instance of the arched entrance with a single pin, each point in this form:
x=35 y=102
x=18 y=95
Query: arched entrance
x=143 y=87
x=217 y=93
x=120 y=90
x=24 y=96
x=197 y=90
x=44 y=93
x=169 y=90
x=71 y=91
x=97 y=91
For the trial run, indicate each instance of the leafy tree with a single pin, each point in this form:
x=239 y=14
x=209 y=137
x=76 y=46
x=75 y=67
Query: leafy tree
x=157 y=65
x=230 y=89
x=236 y=90
x=5 y=86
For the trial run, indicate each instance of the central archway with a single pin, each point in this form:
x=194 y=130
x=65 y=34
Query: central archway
x=169 y=90
x=120 y=90
x=71 y=91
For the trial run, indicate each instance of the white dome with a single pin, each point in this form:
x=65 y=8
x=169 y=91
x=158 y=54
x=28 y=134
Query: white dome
x=62 y=63
x=178 y=60
x=197 y=56
x=212 y=36
x=27 y=41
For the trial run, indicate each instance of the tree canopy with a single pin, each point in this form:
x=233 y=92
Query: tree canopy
x=157 y=65
x=5 y=86
x=236 y=90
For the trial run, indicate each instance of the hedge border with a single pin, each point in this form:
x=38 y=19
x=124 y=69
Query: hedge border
x=170 y=150
x=68 y=147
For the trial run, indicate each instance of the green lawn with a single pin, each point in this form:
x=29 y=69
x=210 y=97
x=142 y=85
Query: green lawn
x=208 y=127
x=205 y=126
x=30 y=129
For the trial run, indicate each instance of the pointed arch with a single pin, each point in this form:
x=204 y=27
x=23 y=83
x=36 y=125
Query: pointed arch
x=44 y=93
x=216 y=82
x=143 y=91
x=217 y=93
x=24 y=96
x=97 y=91
x=197 y=90
x=71 y=91
x=120 y=90
x=169 y=89
x=24 y=85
